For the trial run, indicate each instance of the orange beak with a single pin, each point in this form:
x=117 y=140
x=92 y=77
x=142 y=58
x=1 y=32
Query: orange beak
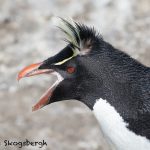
x=32 y=70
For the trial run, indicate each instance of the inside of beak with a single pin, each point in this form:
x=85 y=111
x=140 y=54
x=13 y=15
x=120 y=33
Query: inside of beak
x=32 y=70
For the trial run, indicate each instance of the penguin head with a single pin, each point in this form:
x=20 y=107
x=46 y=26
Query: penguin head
x=76 y=66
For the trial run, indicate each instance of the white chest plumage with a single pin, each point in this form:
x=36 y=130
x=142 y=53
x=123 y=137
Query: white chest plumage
x=115 y=129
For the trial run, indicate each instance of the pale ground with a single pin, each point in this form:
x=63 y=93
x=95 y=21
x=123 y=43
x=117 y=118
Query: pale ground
x=27 y=35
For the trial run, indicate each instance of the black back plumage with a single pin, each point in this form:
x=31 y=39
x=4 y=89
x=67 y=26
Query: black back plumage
x=127 y=88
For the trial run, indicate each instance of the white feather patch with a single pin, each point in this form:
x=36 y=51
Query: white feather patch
x=115 y=129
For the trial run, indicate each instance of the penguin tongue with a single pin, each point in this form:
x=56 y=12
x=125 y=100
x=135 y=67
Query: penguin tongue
x=45 y=98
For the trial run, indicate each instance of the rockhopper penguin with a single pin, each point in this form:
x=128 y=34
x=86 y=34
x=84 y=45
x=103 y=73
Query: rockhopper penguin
x=113 y=85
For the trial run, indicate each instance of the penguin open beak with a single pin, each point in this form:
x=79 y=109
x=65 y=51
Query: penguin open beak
x=33 y=70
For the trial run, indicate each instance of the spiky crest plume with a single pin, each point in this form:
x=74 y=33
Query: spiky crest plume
x=79 y=36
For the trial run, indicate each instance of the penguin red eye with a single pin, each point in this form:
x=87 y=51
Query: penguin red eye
x=70 y=70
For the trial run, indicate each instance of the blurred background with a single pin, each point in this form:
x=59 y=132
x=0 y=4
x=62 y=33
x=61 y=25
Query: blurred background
x=28 y=35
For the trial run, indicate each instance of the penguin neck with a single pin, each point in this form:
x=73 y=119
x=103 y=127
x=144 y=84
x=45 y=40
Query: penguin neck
x=115 y=129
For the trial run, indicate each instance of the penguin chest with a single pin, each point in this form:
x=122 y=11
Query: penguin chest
x=115 y=129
